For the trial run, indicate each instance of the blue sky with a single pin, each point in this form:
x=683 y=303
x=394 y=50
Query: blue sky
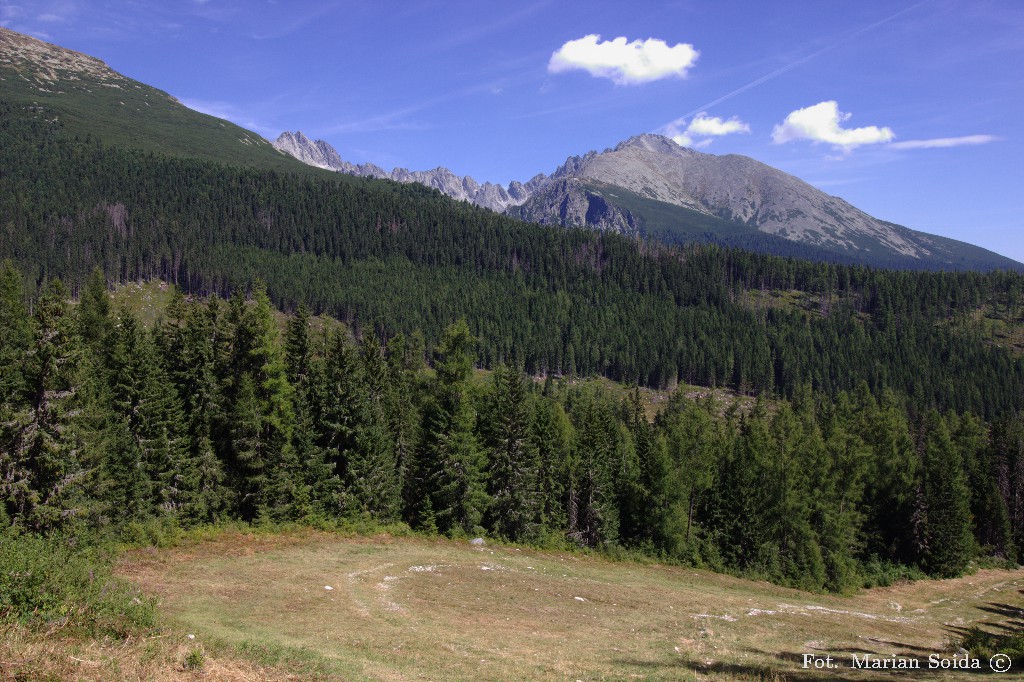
x=909 y=110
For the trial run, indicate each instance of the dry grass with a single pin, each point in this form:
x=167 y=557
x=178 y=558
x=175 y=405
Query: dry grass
x=422 y=609
x=28 y=655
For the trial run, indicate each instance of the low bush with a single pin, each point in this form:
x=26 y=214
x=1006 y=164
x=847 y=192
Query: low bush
x=55 y=581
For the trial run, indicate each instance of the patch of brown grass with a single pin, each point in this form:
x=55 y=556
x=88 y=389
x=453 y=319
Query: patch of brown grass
x=27 y=655
x=413 y=608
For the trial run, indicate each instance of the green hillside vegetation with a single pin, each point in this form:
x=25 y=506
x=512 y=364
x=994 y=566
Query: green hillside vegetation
x=215 y=415
x=90 y=101
x=400 y=258
x=664 y=221
x=293 y=347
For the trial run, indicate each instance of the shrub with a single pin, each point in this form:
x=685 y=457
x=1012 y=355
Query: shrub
x=195 y=659
x=55 y=581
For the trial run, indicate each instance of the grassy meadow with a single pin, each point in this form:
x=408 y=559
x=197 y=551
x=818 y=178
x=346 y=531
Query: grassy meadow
x=416 y=608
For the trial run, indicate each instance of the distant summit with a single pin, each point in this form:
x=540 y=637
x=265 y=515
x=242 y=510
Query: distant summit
x=649 y=186
x=323 y=155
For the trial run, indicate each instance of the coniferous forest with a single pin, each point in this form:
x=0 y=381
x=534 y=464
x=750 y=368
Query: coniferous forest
x=876 y=431
x=214 y=414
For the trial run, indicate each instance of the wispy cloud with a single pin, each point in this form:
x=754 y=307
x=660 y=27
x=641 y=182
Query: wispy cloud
x=702 y=129
x=623 y=62
x=232 y=113
x=372 y=124
x=299 y=22
x=822 y=122
x=943 y=142
x=482 y=30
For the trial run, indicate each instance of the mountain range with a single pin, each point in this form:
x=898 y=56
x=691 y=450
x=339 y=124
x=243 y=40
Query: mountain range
x=646 y=186
x=650 y=186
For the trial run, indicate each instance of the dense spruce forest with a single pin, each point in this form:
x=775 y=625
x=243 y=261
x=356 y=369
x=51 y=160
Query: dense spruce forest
x=213 y=415
x=392 y=258
x=878 y=435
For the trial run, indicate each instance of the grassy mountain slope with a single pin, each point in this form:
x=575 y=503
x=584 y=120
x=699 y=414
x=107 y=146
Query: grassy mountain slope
x=89 y=99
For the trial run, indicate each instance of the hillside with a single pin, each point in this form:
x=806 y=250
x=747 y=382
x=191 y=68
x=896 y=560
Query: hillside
x=650 y=187
x=197 y=343
x=90 y=100
x=656 y=188
x=400 y=258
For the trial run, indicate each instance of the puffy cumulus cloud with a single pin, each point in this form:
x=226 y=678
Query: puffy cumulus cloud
x=625 y=63
x=823 y=123
x=702 y=129
x=940 y=142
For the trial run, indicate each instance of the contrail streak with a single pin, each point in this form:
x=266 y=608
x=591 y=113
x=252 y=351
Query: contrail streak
x=803 y=60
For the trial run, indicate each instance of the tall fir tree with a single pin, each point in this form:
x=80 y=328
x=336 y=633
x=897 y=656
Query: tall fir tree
x=512 y=459
x=593 y=510
x=452 y=465
x=946 y=507
x=44 y=472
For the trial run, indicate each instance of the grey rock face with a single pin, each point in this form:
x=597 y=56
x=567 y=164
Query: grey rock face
x=566 y=202
x=319 y=153
x=323 y=155
x=738 y=189
x=733 y=188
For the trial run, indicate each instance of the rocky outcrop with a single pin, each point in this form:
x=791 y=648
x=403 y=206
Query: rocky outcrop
x=744 y=195
x=323 y=155
x=740 y=190
x=567 y=202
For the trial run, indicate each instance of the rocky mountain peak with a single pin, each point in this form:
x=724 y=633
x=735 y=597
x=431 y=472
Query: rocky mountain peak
x=652 y=143
x=612 y=190
x=487 y=195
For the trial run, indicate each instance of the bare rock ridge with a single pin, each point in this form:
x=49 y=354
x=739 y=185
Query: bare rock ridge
x=738 y=189
x=615 y=190
x=488 y=195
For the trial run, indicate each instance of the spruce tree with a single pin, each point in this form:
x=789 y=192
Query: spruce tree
x=512 y=459
x=946 y=501
x=94 y=312
x=989 y=515
x=44 y=473
x=692 y=450
x=453 y=462
x=593 y=511
x=551 y=438
x=16 y=340
x=262 y=412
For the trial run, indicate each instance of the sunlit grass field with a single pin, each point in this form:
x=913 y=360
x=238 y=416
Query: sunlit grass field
x=416 y=608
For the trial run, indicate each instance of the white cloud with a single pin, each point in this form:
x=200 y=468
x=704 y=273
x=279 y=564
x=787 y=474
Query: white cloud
x=821 y=123
x=704 y=127
x=625 y=63
x=941 y=142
